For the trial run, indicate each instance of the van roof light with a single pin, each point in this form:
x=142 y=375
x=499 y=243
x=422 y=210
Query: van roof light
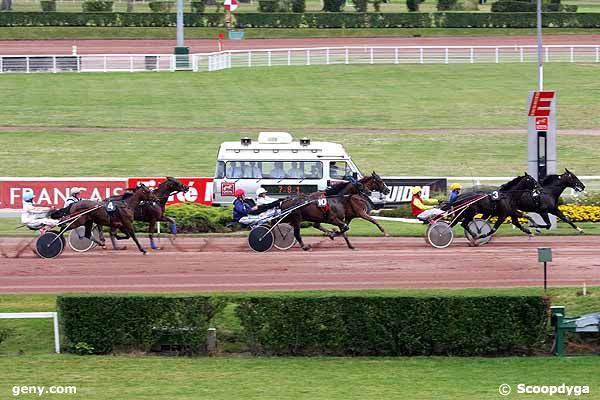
x=246 y=141
x=305 y=141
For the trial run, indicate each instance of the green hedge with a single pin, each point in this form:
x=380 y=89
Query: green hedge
x=308 y=20
x=97 y=6
x=393 y=326
x=104 y=324
x=197 y=218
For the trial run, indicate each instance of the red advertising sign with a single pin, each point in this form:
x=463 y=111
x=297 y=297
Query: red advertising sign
x=54 y=191
x=200 y=189
x=541 y=123
x=541 y=103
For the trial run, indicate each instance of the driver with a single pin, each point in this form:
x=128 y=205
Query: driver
x=240 y=207
x=418 y=204
x=75 y=197
x=34 y=216
x=262 y=198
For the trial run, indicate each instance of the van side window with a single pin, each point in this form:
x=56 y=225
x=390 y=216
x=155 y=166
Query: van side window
x=339 y=170
x=274 y=169
x=220 y=170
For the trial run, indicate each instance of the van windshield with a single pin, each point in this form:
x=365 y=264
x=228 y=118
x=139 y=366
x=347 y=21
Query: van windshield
x=274 y=169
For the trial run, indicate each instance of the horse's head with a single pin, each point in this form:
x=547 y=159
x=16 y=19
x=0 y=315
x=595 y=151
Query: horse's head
x=175 y=186
x=144 y=193
x=528 y=182
x=572 y=181
x=375 y=184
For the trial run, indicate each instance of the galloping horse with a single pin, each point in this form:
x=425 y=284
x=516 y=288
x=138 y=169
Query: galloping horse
x=339 y=205
x=501 y=204
x=154 y=211
x=546 y=202
x=116 y=213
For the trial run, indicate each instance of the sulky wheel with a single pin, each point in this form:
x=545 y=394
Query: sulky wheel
x=284 y=236
x=78 y=242
x=261 y=239
x=440 y=235
x=481 y=227
x=49 y=245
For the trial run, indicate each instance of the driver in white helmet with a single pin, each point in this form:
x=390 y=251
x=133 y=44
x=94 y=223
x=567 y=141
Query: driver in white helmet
x=74 y=198
x=262 y=198
x=34 y=216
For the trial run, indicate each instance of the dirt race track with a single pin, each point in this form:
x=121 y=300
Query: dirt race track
x=227 y=264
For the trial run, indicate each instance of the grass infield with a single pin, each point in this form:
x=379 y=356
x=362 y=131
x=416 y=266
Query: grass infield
x=26 y=359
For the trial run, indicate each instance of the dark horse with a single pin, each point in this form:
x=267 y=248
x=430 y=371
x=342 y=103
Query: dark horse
x=339 y=205
x=502 y=204
x=116 y=213
x=154 y=211
x=546 y=202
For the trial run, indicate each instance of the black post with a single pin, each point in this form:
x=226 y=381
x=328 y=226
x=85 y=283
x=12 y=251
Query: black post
x=545 y=278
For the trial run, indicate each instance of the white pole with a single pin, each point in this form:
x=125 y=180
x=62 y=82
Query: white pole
x=540 y=72
x=179 y=23
x=56 y=335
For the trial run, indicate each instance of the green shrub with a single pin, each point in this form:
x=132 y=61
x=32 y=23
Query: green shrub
x=106 y=324
x=298 y=6
x=468 y=5
x=360 y=5
x=393 y=326
x=412 y=5
x=161 y=6
x=48 y=5
x=513 y=6
x=197 y=218
x=446 y=5
x=198 y=6
x=268 y=6
x=587 y=199
x=97 y=6
x=333 y=5
x=402 y=211
x=307 y=20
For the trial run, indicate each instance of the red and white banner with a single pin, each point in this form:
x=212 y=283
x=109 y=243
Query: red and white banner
x=54 y=191
x=200 y=189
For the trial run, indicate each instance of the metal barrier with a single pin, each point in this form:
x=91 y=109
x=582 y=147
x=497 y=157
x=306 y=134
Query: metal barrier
x=297 y=56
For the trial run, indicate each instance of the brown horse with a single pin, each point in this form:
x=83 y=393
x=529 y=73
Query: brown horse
x=336 y=206
x=116 y=213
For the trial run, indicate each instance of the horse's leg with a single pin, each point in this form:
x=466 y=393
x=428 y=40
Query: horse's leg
x=317 y=225
x=566 y=219
x=363 y=214
x=296 y=225
x=88 y=234
x=344 y=228
x=151 y=230
x=127 y=229
x=515 y=221
x=172 y=225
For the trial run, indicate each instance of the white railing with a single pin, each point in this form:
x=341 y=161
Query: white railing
x=403 y=55
x=94 y=63
x=298 y=56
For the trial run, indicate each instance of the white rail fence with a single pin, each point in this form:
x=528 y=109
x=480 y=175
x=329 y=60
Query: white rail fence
x=298 y=56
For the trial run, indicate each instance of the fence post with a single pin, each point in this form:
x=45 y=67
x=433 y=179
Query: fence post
x=54 y=64
x=289 y=57
x=2 y=60
x=228 y=60
x=371 y=56
x=547 y=56
x=497 y=55
x=421 y=55
x=597 y=54
x=307 y=57
x=446 y=55
x=56 y=333
x=269 y=58
x=27 y=64
x=521 y=53
x=396 y=55
x=348 y=56
x=327 y=56
x=172 y=66
x=472 y=55
x=572 y=55
x=130 y=63
x=78 y=64
x=105 y=64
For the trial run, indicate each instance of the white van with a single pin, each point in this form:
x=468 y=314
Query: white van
x=280 y=165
